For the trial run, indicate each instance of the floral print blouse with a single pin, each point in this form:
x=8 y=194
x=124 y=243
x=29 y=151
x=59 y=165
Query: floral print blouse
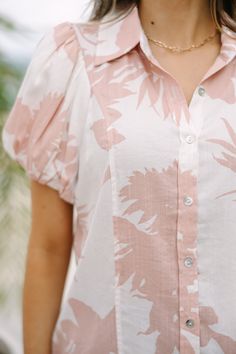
x=152 y=181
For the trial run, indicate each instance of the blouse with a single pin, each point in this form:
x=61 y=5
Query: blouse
x=152 y=181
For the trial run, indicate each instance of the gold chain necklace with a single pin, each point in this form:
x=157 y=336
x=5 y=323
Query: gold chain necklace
x=179 y=49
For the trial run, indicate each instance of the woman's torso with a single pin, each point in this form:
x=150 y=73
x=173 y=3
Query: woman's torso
x=155 y=204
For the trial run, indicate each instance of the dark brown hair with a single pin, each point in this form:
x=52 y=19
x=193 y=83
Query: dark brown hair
x=223 y=11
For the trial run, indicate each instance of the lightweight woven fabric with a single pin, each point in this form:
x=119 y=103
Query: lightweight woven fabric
x=153 y=185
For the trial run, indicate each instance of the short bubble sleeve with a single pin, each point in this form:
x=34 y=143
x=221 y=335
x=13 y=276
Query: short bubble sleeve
x=43 y=129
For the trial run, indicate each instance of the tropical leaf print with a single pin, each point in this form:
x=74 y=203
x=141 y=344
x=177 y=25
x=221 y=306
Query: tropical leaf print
x=112 y=84
x=106 y=138
x=138 y=252
x=226 y=51
x=209 y=318
x=46 y=107
x=148 y=193
x=156 y=85
x=65 y=33
x=120 y=80
x=229 y=158
x=228 y=94
x=148 y=258
x=73 y=336
x=36 y=121
x=147 y=87
x=148 y=275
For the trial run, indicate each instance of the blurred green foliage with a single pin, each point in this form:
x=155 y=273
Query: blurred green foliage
x=14 y=196
x=9 y=75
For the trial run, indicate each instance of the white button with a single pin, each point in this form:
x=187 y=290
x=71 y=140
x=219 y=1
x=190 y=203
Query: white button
x=189 y=323
x=188 y=262
x=189 y=139
x=188 y=200
x=201 y=91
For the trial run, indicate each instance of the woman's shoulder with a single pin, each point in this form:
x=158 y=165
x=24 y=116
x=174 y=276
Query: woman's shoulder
x=72 y=37
x=68 y=37
x=59 y=38
x=44 y=127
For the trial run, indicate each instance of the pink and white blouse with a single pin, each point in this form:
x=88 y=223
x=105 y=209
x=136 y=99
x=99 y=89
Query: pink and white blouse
x=152 y=181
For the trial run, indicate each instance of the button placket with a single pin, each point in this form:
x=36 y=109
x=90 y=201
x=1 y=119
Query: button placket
x=189 y=139
x=187 y=227
x=188 y=200
x=201 y=91
x=190 y=323
x=188 y=262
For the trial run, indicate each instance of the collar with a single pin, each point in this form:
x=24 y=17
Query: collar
x=119 y=36
x=228 y=48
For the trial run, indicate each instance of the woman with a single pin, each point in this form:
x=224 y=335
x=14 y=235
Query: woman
x=126 y=127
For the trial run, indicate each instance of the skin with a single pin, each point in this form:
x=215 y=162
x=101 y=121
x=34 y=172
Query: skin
x=190 y=23
x=51 y=232
x=46 y=266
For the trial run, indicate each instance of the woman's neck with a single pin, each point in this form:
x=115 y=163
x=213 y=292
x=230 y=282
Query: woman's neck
x=176 y=22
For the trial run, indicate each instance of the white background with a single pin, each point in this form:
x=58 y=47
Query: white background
x=37 y=16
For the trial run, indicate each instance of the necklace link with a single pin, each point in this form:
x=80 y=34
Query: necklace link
x=179 y=49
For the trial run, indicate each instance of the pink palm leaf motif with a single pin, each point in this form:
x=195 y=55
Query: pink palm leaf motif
x=229 y=159
x=46 y=128
x=62 y=344
x=107 y=138
x=228 y=46
x=14 y=124
x=65 y=37
x=73 y=336
x=112 y=83
x=141 y=246
x=29 y=135
x=152 y=88
x=215 y=91
x=209 y=318
x=148 y=276
x=149 y=194
x=67 y=154
x=50 y=133
x=157 y=86
x=149 y=256
x=139 y=256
